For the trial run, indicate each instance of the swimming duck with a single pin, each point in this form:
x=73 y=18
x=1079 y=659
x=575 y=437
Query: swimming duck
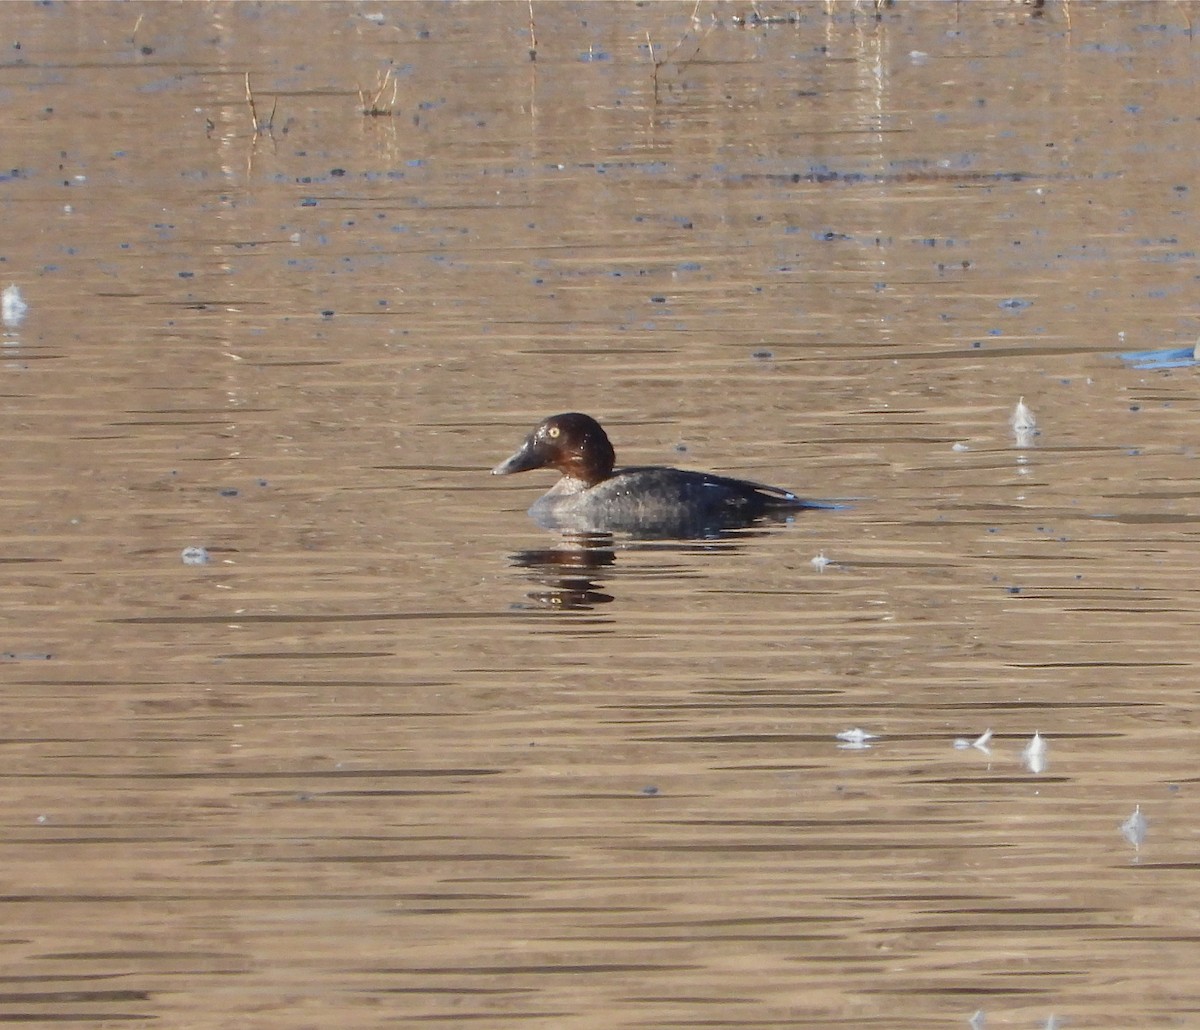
x=648 y=500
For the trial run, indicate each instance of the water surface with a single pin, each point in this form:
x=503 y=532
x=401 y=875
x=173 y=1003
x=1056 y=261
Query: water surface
x=395 y=754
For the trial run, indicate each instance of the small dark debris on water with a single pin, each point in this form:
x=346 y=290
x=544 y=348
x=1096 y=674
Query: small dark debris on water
x=754 y=19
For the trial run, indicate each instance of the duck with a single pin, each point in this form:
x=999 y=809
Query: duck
x=592 y=496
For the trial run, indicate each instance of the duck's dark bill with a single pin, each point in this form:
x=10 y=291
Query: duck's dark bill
x=525 y=459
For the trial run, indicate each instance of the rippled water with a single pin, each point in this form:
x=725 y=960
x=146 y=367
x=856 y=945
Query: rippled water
x=393 y=753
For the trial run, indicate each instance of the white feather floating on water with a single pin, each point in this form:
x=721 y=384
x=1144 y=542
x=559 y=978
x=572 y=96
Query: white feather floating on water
x=856 y=736
x=1022 y=419
x=195 y=555
x=1024 y=424
x=1034 y=754
x=12 y=306
x=855 y=739
x=981 y=742
x=1134 y=828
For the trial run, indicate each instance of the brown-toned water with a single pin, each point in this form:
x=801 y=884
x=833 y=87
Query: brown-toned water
x=395 y=754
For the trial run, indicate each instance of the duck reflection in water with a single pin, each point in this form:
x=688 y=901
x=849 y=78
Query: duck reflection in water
x=646 y=502
x=579 y=574
x=570 y=574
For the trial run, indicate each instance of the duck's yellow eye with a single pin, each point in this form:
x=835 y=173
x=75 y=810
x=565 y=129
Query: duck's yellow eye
x=553 y=432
